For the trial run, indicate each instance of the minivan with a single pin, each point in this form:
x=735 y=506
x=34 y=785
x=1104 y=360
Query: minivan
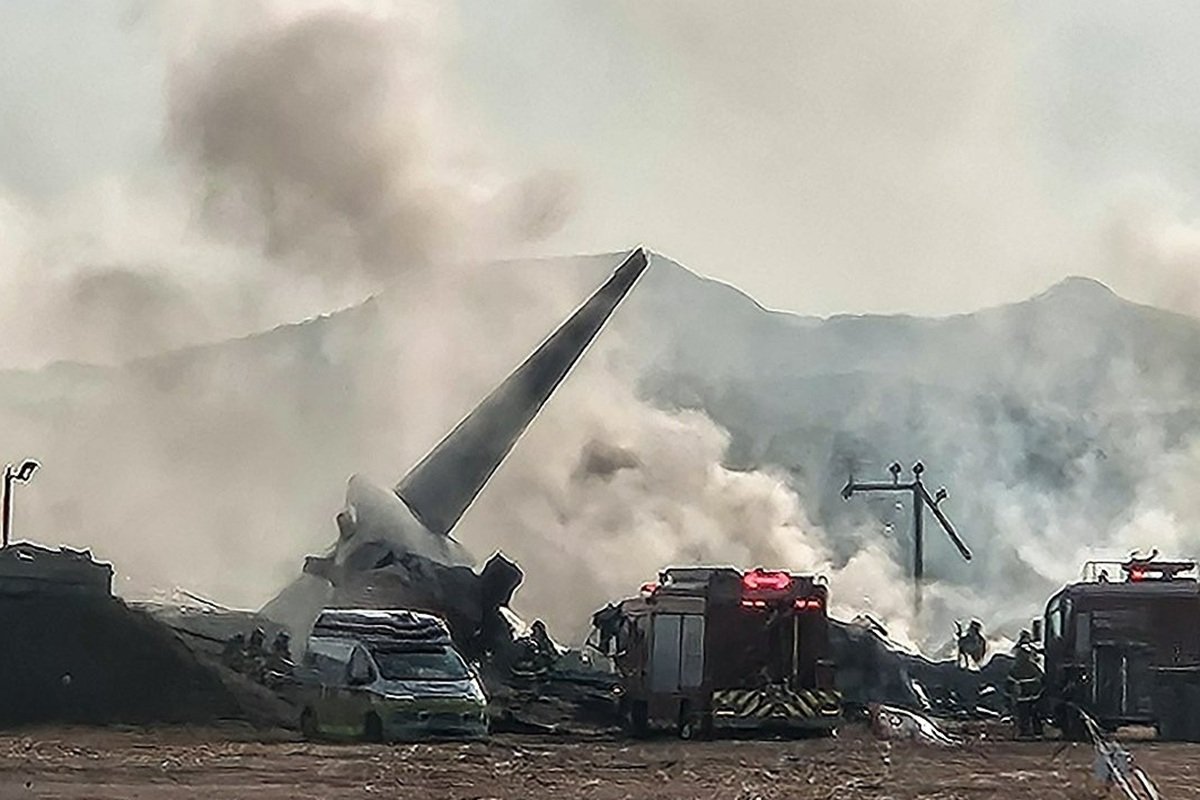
x=388 y=675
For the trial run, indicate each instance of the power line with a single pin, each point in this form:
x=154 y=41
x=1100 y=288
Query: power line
x=921 y=500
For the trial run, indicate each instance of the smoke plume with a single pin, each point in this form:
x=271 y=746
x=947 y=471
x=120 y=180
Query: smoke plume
x=313 y=157
x=314 y=162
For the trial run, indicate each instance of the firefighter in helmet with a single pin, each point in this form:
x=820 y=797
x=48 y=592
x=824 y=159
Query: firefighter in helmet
x=1024 y=688
x=972 y=646
x=279 y=666
x=536 y=654
x=255 y=655
x=233 y=653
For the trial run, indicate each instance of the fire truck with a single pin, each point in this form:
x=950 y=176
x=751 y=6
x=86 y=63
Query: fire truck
x=1124 y=645
x=706 y=648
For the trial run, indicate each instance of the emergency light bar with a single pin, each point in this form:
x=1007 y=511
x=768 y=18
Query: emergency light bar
x=1139 y=570
x=758 y=580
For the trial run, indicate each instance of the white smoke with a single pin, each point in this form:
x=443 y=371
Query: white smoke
x=313 y=160
x=312 y=157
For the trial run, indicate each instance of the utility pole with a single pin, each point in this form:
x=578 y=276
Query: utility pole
x=21 y=475
x=920 y=500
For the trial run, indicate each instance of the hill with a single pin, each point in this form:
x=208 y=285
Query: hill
x=1063 y=425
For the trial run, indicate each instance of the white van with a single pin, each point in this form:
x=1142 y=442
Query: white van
x=386 y=676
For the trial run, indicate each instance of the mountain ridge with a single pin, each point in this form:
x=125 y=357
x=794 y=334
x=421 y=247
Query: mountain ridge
x=1066 y=418
x=1071 y=289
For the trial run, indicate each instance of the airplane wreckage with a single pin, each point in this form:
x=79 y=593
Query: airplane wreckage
x=394 y=547
x=395 y=550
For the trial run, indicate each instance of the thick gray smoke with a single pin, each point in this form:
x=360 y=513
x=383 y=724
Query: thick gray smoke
x=605 y=491
x=311 y=150
x=317 y=143
x=309 y=164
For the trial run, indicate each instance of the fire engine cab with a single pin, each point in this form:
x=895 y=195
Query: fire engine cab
x=1124 y=645
x=712 y=647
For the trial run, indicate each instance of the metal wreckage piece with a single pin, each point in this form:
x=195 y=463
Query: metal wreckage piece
x=394 y=548
x=1113 y=765
x=871 y=669
x=891 y=723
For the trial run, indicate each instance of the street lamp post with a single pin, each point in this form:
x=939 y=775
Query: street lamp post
x=921 y=500
x=21 y=475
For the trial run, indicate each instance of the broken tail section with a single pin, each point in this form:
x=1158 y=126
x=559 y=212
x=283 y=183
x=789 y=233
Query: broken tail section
x=440 y=488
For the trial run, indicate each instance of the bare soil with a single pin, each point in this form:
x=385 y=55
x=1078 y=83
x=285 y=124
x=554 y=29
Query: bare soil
x=215 y=764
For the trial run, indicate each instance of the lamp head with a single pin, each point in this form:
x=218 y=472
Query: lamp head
x=26 y=470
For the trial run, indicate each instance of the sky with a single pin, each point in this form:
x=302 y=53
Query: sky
x=825 y=157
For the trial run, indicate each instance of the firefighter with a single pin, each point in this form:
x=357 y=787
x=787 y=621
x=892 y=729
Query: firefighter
x=536 y=653
x=279 y=661
x=607 y=622
x=233 y=654
x=1024 y=685
x=547 y=651
x=255 y=655
x=281 y=647
x=972 y=647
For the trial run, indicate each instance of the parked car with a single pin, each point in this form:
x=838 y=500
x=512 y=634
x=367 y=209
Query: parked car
x=388 y=676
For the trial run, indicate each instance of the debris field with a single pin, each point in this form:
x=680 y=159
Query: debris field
x=176 y=763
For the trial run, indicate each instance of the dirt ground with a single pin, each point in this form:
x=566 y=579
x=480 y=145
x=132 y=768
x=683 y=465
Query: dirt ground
x=219 y=764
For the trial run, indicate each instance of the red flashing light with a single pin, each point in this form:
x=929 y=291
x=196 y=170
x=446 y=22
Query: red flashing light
x=808 y=604
x=1137 y=574
x=772 y=581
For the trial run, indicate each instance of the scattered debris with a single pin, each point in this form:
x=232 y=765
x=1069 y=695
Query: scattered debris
x=890 y=724
x=871 y=668
x=1113 y=764
x=508 y=722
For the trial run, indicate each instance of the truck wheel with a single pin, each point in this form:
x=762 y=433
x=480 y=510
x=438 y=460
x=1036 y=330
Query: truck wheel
x=1071 y=725
x=373 y=728
x=1171 y=713
x=309 y=728
x=1192 y=710
x=1171 y=724
x=637 y=719
x=694 y=726
x=687 y=722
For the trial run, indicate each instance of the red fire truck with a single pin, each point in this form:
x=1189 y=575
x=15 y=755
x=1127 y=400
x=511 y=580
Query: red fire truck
x=712 y=647
x=1124 y=645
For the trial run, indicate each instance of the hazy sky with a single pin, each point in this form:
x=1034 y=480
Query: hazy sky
x=824 y=156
